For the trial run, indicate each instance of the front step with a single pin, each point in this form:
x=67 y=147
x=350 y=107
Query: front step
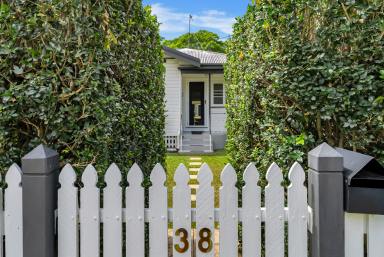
x=196 y=143
x=196 y=149
x=202 y=137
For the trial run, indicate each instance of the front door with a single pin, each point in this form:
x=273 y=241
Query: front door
x=196 y=104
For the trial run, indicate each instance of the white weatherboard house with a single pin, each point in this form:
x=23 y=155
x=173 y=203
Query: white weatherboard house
x=194 y=100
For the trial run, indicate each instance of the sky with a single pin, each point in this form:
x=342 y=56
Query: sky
x=213 y=15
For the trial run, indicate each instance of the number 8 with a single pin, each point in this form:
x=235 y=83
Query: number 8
x=205 y=236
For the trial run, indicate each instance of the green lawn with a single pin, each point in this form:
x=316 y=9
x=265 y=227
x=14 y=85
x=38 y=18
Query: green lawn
x=216 y=162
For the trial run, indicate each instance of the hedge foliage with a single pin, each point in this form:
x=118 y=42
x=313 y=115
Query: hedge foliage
x=301 y=72
x=85 y=78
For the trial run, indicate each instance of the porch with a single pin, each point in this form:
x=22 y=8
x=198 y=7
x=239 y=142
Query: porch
x=195 y=97
x=201 y=124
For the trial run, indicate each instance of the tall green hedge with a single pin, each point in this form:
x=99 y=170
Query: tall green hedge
x=85 y=78
x=301 y=72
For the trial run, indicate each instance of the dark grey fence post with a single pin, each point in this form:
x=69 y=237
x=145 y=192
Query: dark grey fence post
x=325 y=183
x=39 y=183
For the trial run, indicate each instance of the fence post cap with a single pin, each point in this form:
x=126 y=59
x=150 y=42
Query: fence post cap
x=41 y=160
x=325 y=158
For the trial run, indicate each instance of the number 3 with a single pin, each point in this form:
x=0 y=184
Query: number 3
x=183 y=240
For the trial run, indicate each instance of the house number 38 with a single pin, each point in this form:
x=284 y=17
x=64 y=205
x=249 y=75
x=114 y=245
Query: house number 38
x=205 y=243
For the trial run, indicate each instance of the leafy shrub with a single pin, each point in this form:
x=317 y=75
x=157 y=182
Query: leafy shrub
x=83 y=77
x=202 y=39
x=303 y=72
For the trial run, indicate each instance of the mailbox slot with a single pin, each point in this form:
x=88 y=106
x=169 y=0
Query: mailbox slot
x=363 y=183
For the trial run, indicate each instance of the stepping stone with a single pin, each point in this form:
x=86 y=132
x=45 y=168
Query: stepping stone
x=194 y=186
x=195 y=164
x=193 y=177
x=194 y=169
x=195 y=159
x=193 y=198
x=192 y=173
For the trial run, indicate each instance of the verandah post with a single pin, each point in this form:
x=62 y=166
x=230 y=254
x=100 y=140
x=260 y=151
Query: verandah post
x=325 y=184
x=39 y=184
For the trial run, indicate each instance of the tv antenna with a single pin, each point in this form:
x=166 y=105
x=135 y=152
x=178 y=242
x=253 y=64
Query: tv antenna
x=189 y=30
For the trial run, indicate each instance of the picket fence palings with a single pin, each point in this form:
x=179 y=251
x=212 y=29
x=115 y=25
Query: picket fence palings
x=356 y=226
x=297 y=213
x=228 y=213
x=354 y=235
x=274 y=213
x=89 y=214
x=375 y=235
x=13 y=213
x=158 y=222
x=112 y=215
x=251 y=218
x=112 y=243
x=67 y=214
x=205 y=211
x=181 y=213
x=134 y=202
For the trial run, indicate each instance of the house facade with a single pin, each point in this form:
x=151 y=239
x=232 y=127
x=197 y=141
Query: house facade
x=194 y=100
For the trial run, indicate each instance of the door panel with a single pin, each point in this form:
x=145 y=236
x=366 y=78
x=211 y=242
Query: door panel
x=196 y=104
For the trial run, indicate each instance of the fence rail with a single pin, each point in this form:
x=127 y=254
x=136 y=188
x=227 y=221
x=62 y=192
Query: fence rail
x=216 y=216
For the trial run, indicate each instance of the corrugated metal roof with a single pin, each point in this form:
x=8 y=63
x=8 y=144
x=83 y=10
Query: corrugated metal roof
x=205 y=57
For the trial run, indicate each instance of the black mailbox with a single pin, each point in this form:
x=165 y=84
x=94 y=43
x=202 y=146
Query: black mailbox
x=363 y=183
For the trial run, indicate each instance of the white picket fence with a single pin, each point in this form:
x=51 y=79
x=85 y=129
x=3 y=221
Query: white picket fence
x=79 y=220
x=87 y=217
x=364 y=234
x=12 y=215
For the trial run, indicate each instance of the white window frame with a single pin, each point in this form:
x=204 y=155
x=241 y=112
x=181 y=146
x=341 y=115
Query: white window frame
x=213 y=82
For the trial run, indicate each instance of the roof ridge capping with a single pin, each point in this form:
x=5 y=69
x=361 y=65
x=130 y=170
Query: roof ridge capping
x=183 y=56
x=196 y=57
x=200 y=50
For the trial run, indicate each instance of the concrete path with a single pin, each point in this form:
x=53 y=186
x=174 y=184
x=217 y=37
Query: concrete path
x=193 y=168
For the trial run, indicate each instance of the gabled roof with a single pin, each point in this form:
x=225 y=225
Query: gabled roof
x=196 y=57
x=205 y=57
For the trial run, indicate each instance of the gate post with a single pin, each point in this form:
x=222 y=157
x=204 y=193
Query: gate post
x=325 y=184
x=39 y=184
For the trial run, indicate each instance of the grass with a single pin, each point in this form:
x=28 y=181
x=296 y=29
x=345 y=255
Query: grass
x=216 y=162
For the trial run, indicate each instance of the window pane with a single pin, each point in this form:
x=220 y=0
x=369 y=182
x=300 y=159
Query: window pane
x=218 y=94
x=217 y=100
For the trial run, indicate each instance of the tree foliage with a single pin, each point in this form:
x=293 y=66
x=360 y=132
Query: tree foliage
x=302 y=72
x=83 y=77
x=202 y=40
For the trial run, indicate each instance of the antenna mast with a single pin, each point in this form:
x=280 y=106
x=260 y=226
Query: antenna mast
x=189 y=31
